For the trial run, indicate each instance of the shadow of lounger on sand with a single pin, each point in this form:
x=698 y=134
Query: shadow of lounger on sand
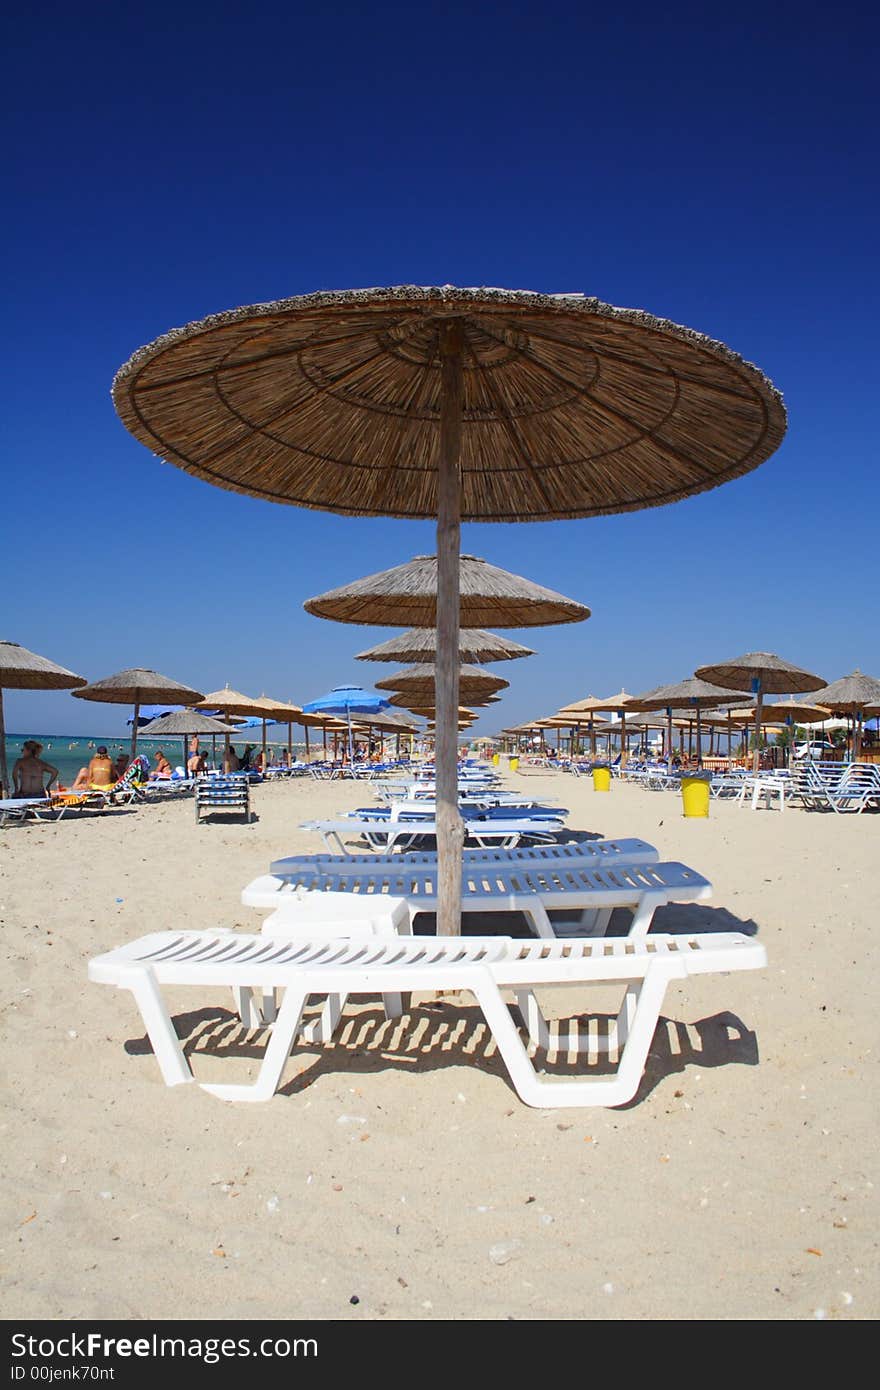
x=435 y=1035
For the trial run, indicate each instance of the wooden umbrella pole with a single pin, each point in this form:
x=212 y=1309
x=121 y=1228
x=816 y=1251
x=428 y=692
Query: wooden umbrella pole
x=699 y=739
x=450 y=829
x=759 y=703
x=134 y=730
x=308 y=749
x=4 y=771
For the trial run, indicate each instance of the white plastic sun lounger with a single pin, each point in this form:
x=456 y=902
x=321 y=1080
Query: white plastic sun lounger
x=402 y=834
x=483 y=966
x=624 y=851
x=593 y=891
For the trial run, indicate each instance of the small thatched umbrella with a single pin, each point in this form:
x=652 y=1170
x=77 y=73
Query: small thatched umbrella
x=615 y=704
x=855 y=695
x=763 y=673
x=420 y=644
x=695 y=694
x=184 y=725
x=138 y=686
x=408 y=594
x=229 y=702
x=434 y=401
x=583 y=712
x=24 y=670
x=422 y=680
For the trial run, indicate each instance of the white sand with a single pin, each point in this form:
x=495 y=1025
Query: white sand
x=738 y=1184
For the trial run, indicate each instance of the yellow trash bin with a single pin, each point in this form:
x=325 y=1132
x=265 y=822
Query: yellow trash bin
x=695 y=794
x=601 y=779
x=495 y=760
x=514 y=764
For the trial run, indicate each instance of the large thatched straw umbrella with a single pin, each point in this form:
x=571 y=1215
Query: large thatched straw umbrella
x=420 y=644
x=460 y=404
x=855 y=695
x=24 y=670
x=138 y=686
x=691 y=693
x=763 y=673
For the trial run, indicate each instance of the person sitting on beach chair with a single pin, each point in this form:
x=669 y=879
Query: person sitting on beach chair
x=29 y=772
x=100 y=774
x=162 y=770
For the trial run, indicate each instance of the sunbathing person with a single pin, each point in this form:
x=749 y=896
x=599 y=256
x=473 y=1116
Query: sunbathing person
x=231 y=762
x=100 y=774
x=162 y=770
x=29 y=772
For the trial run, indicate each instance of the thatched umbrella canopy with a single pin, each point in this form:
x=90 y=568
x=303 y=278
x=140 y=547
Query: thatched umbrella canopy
x=408 y=594
x=138 y=686
x=614 y=704
x=763 y=673
x=475 y=404
x=691 y=692
x=420 y=644
x=422 y=680
x=228 y=701
x=183 y=725
x=855 y=695
x=24 y=670
x=583 y=712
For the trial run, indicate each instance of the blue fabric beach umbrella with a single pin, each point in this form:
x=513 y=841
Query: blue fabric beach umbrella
x=346 y=700
x=147 y=713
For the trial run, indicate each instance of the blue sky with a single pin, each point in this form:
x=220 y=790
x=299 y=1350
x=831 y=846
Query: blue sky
x=716 y=169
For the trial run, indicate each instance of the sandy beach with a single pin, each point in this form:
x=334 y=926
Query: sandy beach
x=739 y=1184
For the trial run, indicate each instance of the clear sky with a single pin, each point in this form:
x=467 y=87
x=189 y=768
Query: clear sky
x=163 y=163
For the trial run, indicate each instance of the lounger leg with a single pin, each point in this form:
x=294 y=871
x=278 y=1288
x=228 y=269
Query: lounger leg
x=614 y=1090
x=277 y=1052
x=532 y=1019
x=160 y=1030
x=321 y=1029
x=527 y=1012
x=644 y=913
x=536 y=915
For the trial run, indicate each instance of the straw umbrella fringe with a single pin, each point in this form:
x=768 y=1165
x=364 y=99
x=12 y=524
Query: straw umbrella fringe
x=24 y=670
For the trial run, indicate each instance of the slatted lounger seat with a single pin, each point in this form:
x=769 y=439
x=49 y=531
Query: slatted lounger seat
x=223 y=794
x=483 y=966
x=624 y=851
x=593 y=891
x=403 y=834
